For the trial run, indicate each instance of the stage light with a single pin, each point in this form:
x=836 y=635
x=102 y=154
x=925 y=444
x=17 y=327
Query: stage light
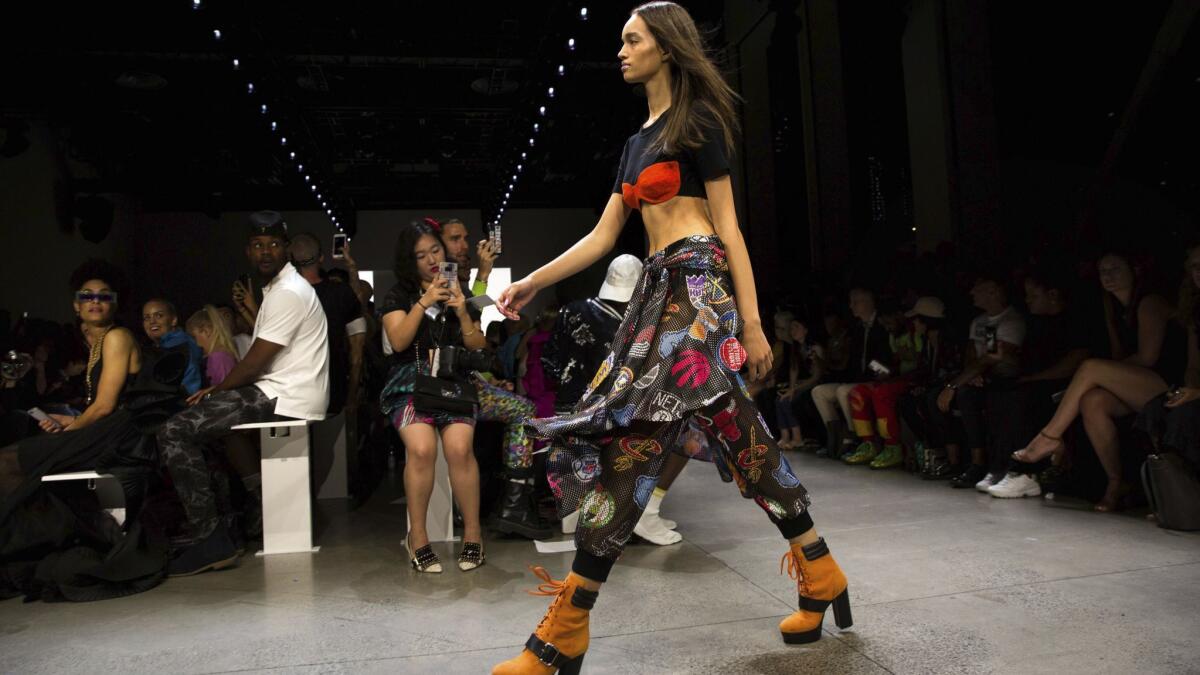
x=542 y=111
x=522 y=155
x=536 y=127
x=519 y=168
x=263 y=108
x=283 y=140
x=307 y=178
x=514 y=177
x=550 y=92
x=531 y=142
x=329 y=211
x=583 y=13
x=274 y=126
x=319 y=197
x=197 y=4
x=292 y=155
x=571 y=44
x=323 y=204
x=236 y=64
x=216 y=34
x=299 y=167
x=249 y=87
x=314 y=188
x=562 y=70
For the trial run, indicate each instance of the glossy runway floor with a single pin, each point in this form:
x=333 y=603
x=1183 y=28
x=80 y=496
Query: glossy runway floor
x=942 y=581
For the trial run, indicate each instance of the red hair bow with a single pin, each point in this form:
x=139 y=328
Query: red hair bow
x=437 y=227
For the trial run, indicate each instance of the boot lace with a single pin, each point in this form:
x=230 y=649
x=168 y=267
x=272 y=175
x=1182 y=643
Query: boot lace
x=548 y=587
x=795 y=570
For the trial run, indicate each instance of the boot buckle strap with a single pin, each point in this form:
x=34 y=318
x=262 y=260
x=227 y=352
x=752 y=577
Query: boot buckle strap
x=813 y=604
x=545 y=652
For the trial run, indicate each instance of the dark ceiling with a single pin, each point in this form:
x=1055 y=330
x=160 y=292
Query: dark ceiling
x=388 y=105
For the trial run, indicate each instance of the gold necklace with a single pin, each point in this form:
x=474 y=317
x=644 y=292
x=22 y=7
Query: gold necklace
x=94 y=358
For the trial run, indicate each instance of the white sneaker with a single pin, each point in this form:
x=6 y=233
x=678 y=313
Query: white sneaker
x=650 y=527
x=668 y=523
x=987 y=482
x=1016 y=485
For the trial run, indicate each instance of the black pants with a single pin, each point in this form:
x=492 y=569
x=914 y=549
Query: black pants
x=918 y=408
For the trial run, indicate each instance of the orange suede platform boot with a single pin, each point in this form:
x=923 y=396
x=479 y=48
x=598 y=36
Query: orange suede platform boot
x=561 y=639
x=821 y=584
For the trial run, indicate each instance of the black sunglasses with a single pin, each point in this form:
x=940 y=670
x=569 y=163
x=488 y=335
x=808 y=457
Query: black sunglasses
x=88 y=296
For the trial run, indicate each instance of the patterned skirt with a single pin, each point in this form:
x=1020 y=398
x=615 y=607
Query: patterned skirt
x=675 y=352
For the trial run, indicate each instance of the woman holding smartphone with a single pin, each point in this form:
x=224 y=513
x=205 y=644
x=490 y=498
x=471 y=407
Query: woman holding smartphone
x=676 y=357
x=425 y=310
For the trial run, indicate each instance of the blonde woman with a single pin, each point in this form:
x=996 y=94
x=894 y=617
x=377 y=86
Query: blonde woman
x=208 y=329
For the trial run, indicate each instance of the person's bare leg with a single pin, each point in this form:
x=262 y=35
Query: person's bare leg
x=457 y=443
x=1134 y=385
x=671 y=470
x=1099 y=409
x=420 y=448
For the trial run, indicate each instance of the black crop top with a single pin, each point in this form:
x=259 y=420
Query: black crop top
x=654 y=177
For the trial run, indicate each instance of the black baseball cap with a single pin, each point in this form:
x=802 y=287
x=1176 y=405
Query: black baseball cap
x=268 y=224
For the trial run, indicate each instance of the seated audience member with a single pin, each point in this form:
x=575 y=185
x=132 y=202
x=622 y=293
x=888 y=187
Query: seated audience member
x=284 y=375
x=458 y=249
x=1173 y=419
x=992 y=361
x=160 y=321
x=109 y=436
x=422 y=312
x=873 y=405
x=1057 y=342
x=208 y=329
x=938 y=360
x=343 y=316
x=868 y=341
x=1149 y=347
x=517 y=512
x=805 y=367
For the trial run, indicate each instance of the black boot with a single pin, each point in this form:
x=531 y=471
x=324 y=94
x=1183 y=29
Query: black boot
x=833 y=441
x=517 y=512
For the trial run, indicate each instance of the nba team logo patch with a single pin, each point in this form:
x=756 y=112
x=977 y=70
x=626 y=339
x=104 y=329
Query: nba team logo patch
x=696 y=287
x=624 y=377
x=648 y=379
x=598 y=509
x=783 y=474
x=623 y=416
x=602 y=372
x=586 y=468
x=772 y=507
x=643 y=489
x=635 y=448
x=732 y=353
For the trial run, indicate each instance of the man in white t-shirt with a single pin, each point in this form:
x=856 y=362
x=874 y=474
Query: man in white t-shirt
x=285 y=374
x=992 y=359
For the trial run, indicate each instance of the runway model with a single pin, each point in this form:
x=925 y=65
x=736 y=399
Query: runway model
x=676 y=355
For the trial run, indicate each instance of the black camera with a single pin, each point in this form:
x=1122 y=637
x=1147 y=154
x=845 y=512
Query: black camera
x=458 y=362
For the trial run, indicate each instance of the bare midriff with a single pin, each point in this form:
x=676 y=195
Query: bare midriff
x=675 y=219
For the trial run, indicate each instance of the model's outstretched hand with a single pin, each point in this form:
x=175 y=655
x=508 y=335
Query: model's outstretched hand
x=516 y=296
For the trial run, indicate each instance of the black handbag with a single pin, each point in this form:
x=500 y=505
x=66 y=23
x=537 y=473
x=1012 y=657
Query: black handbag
x=441 y=395
x=1173 y=489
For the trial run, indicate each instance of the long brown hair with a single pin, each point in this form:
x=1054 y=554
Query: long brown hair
x=700 y=97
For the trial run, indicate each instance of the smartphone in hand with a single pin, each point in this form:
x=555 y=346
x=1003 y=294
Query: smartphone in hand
x=339 y=245
x=40 y=415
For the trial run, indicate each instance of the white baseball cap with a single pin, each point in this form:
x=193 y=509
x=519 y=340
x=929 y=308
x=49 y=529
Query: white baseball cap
x=928 y=307
x=623 y=274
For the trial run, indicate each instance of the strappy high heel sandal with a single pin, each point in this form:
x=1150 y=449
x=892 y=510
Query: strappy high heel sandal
x=423 y=559
x=471 y=556
x=1112 y=497
x=1023 y=455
